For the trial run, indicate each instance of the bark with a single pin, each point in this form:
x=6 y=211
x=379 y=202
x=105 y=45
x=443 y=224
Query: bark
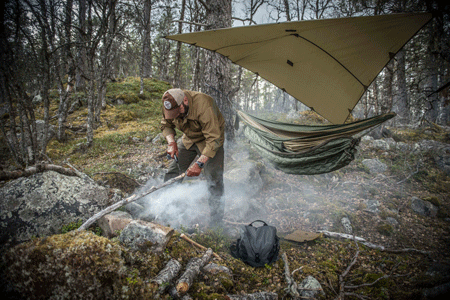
x=146 y=59
x=125 y=201
x=39 y=168
x=177 y=76
x=193 y=269
x=166 y=275
x=401 y=106
x=288 y=13
x=217 y=79
x=81 y=50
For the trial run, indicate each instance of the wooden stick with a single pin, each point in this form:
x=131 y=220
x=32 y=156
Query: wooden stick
x=130 y=199
x=184 y=237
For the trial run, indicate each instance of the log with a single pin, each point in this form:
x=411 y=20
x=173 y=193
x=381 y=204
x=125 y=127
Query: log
x=254 y=296
x=167 y=274
x=125 y=201
x=193 y=268
x=38 y=168
x=184 y=237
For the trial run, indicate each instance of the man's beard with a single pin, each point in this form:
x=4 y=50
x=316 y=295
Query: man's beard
x=186 y=110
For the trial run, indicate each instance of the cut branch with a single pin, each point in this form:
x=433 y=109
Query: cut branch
x=166 y=275
x=130 y=199
x=193 y=268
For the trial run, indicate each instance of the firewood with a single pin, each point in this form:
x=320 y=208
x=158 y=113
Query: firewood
x=193 y=268
x=130 y=199
x=167 y=274
x=254 y=296
x=184 y=237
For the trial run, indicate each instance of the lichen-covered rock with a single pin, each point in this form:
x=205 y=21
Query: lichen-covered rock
x=374 y=165
x=424 y=208
x=75 y=265
x=41 y=204
x=310 y=288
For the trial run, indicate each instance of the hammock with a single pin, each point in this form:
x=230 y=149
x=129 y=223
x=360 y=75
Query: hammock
x=304 y=149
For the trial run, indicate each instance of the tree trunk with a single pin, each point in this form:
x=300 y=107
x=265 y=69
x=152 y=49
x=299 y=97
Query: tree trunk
x=401 y=105
x=177 y=76
x=81 y=50
x=146 y=59
x=217 y=76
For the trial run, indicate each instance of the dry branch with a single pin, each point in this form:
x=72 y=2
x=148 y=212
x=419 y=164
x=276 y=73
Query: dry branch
x=193 y=268
x=38 y=168
x=184 y=237
x=130 y=199
x=370 y=245
x=292 y=288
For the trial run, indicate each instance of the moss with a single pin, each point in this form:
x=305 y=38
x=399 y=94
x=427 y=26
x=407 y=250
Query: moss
x=385 y=229
x=433 y=200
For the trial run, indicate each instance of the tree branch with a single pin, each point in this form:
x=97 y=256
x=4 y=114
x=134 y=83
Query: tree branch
x=38 y=168
x=191 y=23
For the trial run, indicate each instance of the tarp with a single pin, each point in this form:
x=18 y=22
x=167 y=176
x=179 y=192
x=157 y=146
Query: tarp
x=326 y=64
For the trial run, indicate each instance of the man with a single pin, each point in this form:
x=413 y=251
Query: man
x=198 y=117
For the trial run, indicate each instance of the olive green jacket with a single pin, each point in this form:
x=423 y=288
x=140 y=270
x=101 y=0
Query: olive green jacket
x=204 y=125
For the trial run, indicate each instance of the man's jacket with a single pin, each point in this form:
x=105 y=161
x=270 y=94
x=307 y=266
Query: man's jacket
x=204 y=124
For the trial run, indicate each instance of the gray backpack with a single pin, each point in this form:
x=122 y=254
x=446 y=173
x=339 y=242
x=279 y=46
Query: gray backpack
x=257 y=246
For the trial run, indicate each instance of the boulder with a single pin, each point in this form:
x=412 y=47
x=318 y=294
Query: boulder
x=423 y=208
x=374 y=165
x=310 y=288
x=41 y=204
x=381 y=144
x=143 y=236
x=114 y=222
x=372 y=206
x=443 y=162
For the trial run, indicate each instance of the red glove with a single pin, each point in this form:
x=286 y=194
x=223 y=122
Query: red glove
x=194 y=170
x=172 y=149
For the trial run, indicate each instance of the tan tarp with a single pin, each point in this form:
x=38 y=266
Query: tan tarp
x=325 y=64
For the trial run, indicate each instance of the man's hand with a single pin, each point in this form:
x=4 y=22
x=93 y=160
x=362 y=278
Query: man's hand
x=172 y=149
x=193 y=170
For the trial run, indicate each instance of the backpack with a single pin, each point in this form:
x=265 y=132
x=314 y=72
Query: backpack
x=257 y=246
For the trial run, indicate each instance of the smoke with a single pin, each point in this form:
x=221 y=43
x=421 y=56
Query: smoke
x=179 y=205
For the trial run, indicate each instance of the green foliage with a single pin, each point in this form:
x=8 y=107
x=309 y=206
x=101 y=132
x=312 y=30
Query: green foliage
x=71 y=226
